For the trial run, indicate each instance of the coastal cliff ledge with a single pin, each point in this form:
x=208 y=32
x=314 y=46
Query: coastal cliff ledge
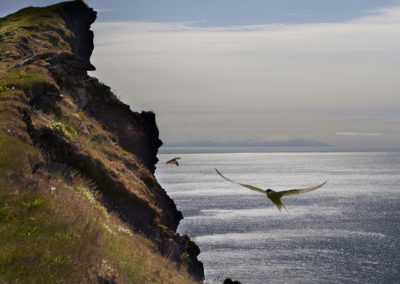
x=78 y=196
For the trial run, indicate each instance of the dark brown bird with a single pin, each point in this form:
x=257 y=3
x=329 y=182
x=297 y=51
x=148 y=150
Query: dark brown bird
x=174 y=161
x=275 y=196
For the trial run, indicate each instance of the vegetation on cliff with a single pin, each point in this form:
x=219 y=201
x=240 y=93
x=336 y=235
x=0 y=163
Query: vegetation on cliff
x=78 y=198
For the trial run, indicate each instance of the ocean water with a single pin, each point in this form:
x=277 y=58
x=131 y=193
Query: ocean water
x=348 y=231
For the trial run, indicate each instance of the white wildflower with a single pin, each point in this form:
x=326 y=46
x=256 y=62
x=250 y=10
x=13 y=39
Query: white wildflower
x=124 y=230
x=105 y=265
x=108 y=229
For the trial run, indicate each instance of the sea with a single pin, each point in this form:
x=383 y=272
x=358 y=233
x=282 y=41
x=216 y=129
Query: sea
x=347 y=231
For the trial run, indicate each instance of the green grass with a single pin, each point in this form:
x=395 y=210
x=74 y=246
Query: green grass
x=137 y=262
x=162 y=227
x=64 y=235
x=33 y=21
x=60 y=236
x=20 y=78
x=40 y=241
x=98 y=139
x=4 y=89
x=14 y=157
x=60 y=129
x=69 y=124
x=3 y=47
x=32 y=16
x=39 y=246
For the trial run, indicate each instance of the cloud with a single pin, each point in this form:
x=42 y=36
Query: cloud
x=304 y=80
x=358 y=134
x=386 y=15
x=275 y=138
x=104 y=10
x=382 y=16
x=291 y=14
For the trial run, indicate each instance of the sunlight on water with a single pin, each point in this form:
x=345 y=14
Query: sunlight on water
x=256 y=238
x=270 y=211
x=347 y=231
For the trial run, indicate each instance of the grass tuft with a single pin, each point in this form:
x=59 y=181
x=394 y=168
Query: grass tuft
x=61 y=129
x=14 y=157
x=22 y=79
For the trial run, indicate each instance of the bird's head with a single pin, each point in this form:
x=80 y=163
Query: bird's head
x=269 y=190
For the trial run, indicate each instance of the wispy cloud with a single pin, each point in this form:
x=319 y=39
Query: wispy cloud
x=275 y=138
x=358 y=134
x=383 y=16
x=291 y=14
x=104 y=10
x=275 y=78
x=371 y=33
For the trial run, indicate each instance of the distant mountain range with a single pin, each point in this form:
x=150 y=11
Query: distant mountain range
x=250 y=143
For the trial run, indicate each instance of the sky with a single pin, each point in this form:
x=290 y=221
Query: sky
x=232 y=70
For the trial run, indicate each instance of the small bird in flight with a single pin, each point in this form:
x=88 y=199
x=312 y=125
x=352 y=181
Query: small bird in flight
x=173 y=161
x=275 y=196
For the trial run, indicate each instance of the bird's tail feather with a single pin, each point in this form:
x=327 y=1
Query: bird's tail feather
x=280 y=206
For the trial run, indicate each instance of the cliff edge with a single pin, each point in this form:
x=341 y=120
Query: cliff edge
x=77 y=165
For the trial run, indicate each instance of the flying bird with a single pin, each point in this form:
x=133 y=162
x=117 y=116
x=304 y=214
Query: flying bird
x=275 y=196
x=174 y=161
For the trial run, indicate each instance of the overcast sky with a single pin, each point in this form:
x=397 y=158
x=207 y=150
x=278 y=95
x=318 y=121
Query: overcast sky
x=254 y=69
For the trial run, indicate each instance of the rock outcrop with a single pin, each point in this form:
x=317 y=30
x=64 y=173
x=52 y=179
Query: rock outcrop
x=77 y=122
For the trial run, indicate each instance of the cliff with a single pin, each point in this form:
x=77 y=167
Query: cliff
x=77 y=164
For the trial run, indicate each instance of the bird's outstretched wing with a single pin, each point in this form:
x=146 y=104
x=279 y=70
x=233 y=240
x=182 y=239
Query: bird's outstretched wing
x=244 y=185
x=299 y=191
x=173 y=161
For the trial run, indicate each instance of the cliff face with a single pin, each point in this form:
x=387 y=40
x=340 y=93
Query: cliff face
x=79 y=128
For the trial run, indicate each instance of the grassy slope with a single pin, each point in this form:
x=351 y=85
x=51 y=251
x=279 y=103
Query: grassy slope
x=65 y=234
x=53 y=227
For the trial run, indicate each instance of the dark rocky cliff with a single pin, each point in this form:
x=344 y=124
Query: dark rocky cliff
x=78 y=123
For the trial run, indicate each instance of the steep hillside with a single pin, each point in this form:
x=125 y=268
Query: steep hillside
x=78 y=198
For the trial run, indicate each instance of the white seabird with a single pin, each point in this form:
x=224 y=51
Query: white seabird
x=275 y=196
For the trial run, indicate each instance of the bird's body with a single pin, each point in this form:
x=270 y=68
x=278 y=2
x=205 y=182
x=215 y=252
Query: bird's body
x=173 y=161
x=275 y=196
